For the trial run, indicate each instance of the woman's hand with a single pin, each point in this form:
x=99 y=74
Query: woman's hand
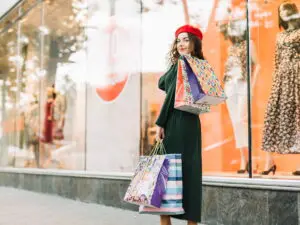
x=160 y=133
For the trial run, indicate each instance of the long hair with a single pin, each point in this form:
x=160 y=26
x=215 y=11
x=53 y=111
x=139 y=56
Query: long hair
x=195 y=46
x=289 y=6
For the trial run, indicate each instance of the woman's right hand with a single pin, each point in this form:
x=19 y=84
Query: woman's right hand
x=160 y=133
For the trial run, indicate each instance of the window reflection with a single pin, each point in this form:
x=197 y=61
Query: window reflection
x=40 y=87
x=113 y=94
x=11 y=121
x=61 y=81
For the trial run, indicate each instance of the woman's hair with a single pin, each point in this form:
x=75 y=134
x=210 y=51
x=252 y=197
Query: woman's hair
x=290 y=6
x=195 y=45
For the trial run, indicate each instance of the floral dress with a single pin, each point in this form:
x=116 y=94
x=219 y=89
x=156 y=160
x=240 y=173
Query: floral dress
x=281 y=132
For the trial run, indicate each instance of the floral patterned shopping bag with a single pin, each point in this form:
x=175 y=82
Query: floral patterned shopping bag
x=149 y=181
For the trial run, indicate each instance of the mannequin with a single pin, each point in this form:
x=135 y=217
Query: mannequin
x=235 y=83
x=49 y=128
x=48 y=119
x=281 y=132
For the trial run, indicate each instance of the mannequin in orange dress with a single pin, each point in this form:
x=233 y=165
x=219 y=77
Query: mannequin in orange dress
x=47 y=132
x=48 y=120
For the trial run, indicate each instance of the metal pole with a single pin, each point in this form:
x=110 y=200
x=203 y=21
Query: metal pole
x=249 y=91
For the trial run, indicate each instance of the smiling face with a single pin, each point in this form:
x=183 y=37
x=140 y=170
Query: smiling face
x=183 y=44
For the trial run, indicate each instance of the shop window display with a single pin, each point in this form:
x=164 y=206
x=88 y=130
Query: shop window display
x=234 y=29
x=10 y=116
x=226 y=41
x=219 y=146
x=62 y=84
x=49 y=124
x=156 y=27
x=29 y=35
x=66 y=76
x=113 y=85
x=276 y=96
x=31 y=130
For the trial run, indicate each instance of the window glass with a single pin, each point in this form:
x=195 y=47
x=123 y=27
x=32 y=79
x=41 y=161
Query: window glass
x=113 y=81
x=275 y=98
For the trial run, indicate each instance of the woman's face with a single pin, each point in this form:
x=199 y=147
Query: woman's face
x=183 y=44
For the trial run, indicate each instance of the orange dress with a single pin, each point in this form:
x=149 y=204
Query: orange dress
x=48 y=123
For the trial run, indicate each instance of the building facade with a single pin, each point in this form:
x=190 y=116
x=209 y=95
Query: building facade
x=79 y=100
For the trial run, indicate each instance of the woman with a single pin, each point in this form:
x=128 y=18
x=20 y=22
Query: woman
x=181 y=131
x=282 y=119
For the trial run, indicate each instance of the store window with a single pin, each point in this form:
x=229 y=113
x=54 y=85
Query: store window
x=78 y=83
x=63 y=56
x=224 y=129
x=113 y=81
x=43 y=100
x=11 y=120
x=159 y=20
x=275 y=109
x=29 y=39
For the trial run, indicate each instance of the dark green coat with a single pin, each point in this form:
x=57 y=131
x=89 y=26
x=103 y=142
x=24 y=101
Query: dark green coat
x=183 y=135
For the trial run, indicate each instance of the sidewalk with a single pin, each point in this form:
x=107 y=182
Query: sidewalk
x=20 y=207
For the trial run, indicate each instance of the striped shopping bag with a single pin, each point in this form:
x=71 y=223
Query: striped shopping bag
x=172 y=199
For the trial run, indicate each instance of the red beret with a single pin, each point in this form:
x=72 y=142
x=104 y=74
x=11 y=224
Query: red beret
x=189 y=29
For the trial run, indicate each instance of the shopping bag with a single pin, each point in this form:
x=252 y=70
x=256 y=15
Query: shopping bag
x=209 y=90
x=150 y=179
x=184 y=100
x=172 y=199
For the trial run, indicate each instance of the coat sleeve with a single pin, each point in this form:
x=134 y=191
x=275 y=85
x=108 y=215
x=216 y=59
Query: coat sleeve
x=162 y=83
x=168 y=105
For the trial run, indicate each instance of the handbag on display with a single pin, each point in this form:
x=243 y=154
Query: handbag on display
x=150 y=178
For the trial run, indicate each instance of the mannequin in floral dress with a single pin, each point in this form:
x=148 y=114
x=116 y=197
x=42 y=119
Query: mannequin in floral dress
x=282 y=118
